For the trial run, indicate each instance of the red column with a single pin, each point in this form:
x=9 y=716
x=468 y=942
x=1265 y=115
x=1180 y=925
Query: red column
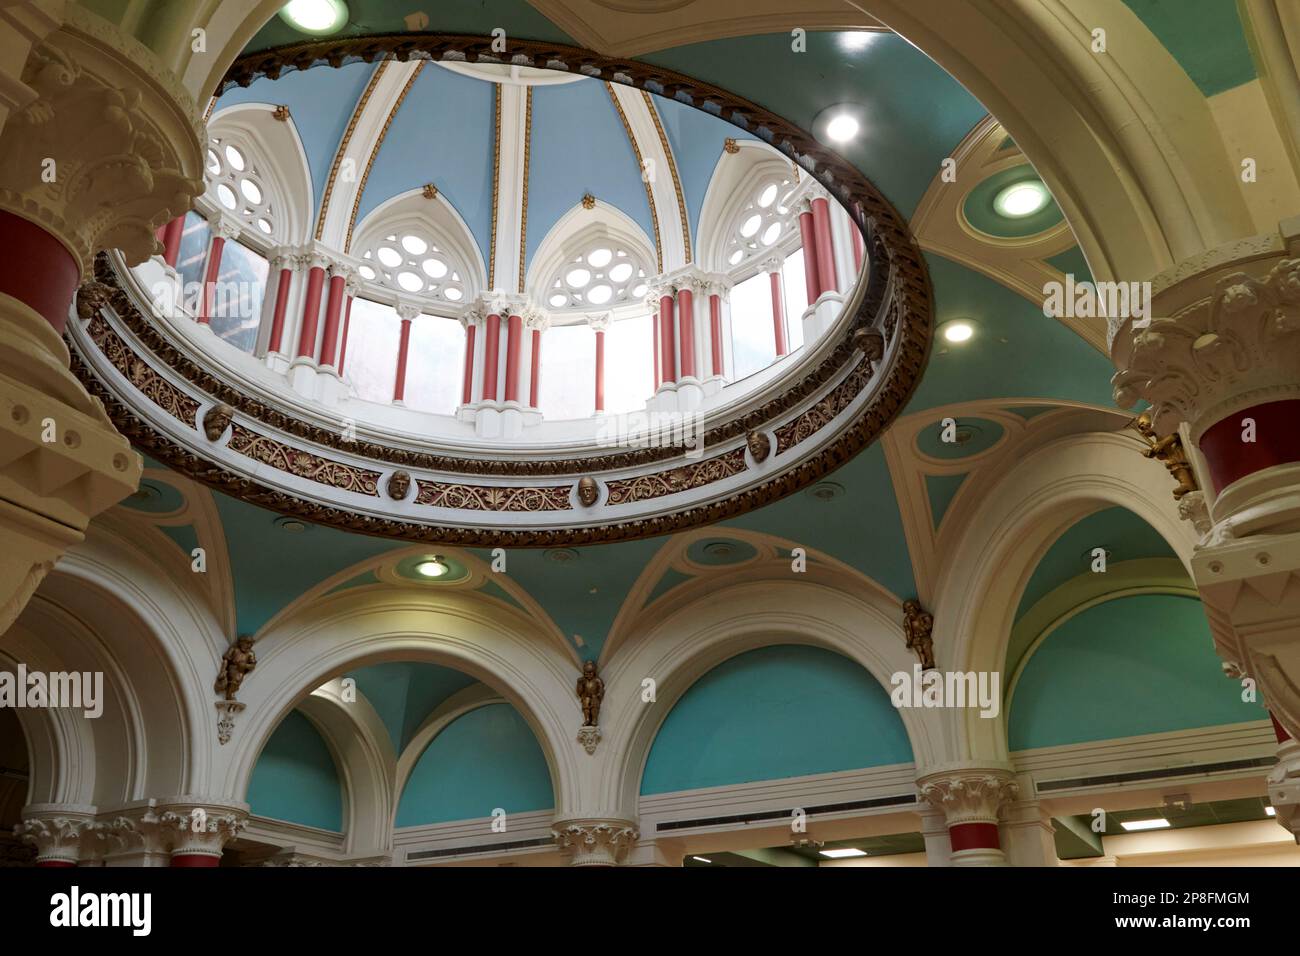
x=54 y=863
x=715 y=331
x=778 y=314
x=399 y=385
x=686 y=330
x=171 y=239
x=210 y=278
x=667 y=347
x=827 y=277
x=536 y=376
x=490 y=345
x=347 y=325
x=333 y=311
x=195 y=860
x=1278 y=730
x=467 y=387
x=859 y=245
x=811 y=271
x=311 y=313
x=654 y=348
x=281 y=303
x=974 y=836
x=600 y=370
x=1277 y=442
x=37 y=269
x=514 y=346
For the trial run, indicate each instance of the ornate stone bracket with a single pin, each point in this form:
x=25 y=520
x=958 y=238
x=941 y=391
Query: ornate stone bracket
x=589 y=737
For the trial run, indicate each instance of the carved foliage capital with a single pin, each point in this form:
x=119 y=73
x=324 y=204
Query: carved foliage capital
x=1238 y=346
x=969 y=796
x=595 y=842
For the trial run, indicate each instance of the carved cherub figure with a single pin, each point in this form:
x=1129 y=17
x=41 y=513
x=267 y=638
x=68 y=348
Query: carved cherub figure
x=1168 y=450
x=591 y=691
x=917 y=627
x=236 y=664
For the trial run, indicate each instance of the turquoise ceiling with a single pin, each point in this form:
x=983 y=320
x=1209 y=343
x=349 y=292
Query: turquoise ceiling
x=403 y=693
x=1204 y=36
x=1134 y=665
x=296 y=779
x=1124 y=535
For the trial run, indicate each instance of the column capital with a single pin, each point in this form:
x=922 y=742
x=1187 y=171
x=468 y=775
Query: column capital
x=226 y=227
x=472 y=318
x=599 y=323
x=406 y=311
x=595 y=842
x=282 y=257
x=196 y=827
x=773 y=264
x=109 y=148
x=313 y=259
x=969 y=794
x=60 y=833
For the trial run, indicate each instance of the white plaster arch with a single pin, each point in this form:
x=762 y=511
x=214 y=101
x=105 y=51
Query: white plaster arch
x=433 y=219
x=365 y=761
x=689 y=640
x=573 y=234
x=450 y=628
x=994 y=553
x=275 y=148
x=735 y=181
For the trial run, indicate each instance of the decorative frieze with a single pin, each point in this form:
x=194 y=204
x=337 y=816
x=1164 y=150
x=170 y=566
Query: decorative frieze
x=676 y=480
x=439 y=494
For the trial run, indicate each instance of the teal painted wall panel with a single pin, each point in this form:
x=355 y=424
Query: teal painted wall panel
x=486 y=759
x=295 y=778
x=1136 y=665
x=772 y=713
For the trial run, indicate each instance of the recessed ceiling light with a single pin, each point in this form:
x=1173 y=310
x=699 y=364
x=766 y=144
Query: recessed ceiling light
x=315 y=16
x=1021 y=199
x=843 y=853
x=433 y=568
x=1270 y=811
x=1157 y=824
x=957 y=331
x=291 y=525
x=702 y=859
x=842 y=128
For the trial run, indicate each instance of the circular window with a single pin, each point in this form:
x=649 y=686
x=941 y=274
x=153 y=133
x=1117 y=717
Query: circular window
x=414 y=245
x=558 y=300
x=410 y=281
x=434 y=268
x=389 y=257
x=751 y=225
x=578 y=278
x=639 y=291
x=621 y=272
x=251 y=191
x=264 y=226
x=768 y=196
x=235 y=158
x=453 y=293
x=771 y=233
x=227 y=196
x=600 y=258
x=367 y=273
x=214 y=164
x=736 y=256
x=600 y=294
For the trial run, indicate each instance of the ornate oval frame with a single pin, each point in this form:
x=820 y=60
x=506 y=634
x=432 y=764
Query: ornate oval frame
x=863 y=379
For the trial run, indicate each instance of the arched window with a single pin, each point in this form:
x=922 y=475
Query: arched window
x=603 y=273
x=763 y=221
x=568 y=373
x=237 y=184
x=413 y=262
x=374 y=332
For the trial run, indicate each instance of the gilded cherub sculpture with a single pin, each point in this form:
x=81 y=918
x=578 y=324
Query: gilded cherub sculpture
x=1168 y=450
x=236 y=664
x=917 y=627
x=591 y=691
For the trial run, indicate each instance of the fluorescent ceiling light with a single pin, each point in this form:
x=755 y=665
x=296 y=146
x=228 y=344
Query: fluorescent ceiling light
x=1158 y=824
x=315 y=16
x=1271 y=811
x=843 y=853
x=702 y=859
x=1021 y=199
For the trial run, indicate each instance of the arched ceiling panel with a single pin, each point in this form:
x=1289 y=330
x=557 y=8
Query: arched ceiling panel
x=441 y=134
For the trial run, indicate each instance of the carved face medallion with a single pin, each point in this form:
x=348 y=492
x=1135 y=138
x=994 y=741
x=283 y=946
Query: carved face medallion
x=216 y=421
x=760 y=446
x=398 y=485
x=588 y=491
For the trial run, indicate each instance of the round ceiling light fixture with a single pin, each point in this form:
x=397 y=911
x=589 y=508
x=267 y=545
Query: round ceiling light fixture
x=837 y=125
x=435 y=567
x=1022 y=199
x=317 y=17
x=957 y=331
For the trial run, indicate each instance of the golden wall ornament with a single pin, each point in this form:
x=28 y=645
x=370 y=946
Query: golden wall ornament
x=588 y=201
x=760 y=446
x=281 y=112
x=430 y=191
x=591 y=692
x=216 y=420
x=237 y=662
x=918 y=626
x=1169 y=451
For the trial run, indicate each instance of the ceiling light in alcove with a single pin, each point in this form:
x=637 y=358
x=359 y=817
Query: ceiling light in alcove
x=842 y=128
x=433 y=568
x=839 y=124
x=1158 y=824
x=317 y=17
x=842 y=854
x=1021 y=199
x=957 y=331
x=291 y=525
